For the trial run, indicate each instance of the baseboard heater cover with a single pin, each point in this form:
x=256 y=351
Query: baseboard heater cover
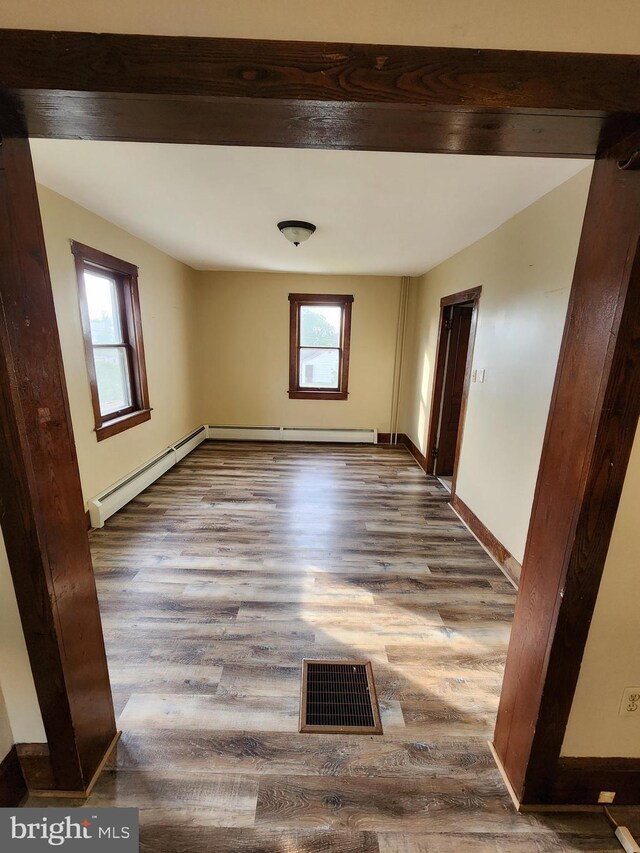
x=189 y=443
x=116 y=496
x=119 y=494
x=336 y=436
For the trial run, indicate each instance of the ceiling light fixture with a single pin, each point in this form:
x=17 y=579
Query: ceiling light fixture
x=295 y=231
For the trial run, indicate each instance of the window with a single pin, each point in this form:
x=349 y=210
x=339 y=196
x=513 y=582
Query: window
x=110 y=311
x=320 y=332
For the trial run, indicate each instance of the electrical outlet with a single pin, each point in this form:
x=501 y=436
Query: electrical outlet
x=606 y=796
x=630 y=705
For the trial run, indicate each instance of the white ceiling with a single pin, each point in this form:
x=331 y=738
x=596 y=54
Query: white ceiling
x=216 y=207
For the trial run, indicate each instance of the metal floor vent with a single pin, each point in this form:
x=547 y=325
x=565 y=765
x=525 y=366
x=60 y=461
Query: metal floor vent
x=339 y=696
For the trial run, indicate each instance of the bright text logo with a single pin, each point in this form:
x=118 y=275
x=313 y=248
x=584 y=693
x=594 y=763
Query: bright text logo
x=70 y=829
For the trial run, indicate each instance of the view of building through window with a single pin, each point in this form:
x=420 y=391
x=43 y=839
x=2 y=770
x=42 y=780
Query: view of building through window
x=320 y=337
x=320 y=334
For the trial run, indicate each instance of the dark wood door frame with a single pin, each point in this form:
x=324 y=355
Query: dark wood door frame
x=459 y=327
x=472 y=295
x=225 y=91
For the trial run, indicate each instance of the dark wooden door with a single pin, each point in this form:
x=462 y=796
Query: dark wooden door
x=459 y=323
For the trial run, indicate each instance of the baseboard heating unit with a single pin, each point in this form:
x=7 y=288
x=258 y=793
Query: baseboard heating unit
x=120 y=493
x=337 y=436
x=116 y=496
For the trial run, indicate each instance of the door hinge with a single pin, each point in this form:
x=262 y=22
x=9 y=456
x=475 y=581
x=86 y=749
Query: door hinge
x=448 y=324
x=434 y=453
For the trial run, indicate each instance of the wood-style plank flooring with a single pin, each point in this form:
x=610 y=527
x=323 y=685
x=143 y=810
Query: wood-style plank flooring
x=245 y=558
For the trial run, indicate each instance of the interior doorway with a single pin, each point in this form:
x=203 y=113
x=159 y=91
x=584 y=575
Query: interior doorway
x=342 y=99
x=456 y=334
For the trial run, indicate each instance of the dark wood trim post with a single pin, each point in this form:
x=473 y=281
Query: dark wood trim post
x=41 y=506
x=590 y=431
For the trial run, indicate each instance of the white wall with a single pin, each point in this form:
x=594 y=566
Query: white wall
x=21 y=721
x=574 y=25
x=167 y=305
x=525 y=269
x=612 y=656
x=243 y=330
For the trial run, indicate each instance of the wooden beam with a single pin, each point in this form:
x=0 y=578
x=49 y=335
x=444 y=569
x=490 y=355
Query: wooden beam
x=314 y=94
x=360 y=127
x=41 y=506
x=580 y=780
x=224 y=91
x=319 y=71
x=13 y=788
x=591 y=427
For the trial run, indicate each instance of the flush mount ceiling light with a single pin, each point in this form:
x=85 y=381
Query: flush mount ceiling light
x=296 y=231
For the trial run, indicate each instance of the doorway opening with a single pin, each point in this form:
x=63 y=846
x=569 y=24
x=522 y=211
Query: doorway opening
x=560 y=109
x=456 y=336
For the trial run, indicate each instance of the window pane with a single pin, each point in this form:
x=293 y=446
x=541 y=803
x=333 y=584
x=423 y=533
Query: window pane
x=319 y=368
x=112 y=374
x=102 y=302
x=320 y=325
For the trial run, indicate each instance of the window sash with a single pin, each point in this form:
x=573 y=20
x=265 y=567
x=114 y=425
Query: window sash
x=339 y=306
x=116 y=303
x=134 y=407
x=120 y=283
x=320 y=388
x=128 y=326
x=335 y=387
x=297 y=389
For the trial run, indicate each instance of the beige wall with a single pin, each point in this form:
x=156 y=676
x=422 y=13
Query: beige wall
x=525 y=269
x=243 y=329
x=612 y=656
x=575 y=25
x=20 y=719
x=238 y=374
x=167 y=303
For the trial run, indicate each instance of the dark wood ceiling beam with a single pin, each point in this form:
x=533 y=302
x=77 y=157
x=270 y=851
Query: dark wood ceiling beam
x=304 y=125
x=313 y=94
x=318 y=71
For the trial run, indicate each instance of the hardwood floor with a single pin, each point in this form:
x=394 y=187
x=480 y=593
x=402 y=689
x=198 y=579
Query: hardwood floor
x=215 y=583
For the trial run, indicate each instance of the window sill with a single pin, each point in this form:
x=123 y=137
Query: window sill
x=113 y=427
x=318 y=395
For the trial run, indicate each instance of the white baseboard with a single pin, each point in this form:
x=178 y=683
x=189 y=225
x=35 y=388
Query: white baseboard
x=315 y=434
x=120 y=493
x=116 y=496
